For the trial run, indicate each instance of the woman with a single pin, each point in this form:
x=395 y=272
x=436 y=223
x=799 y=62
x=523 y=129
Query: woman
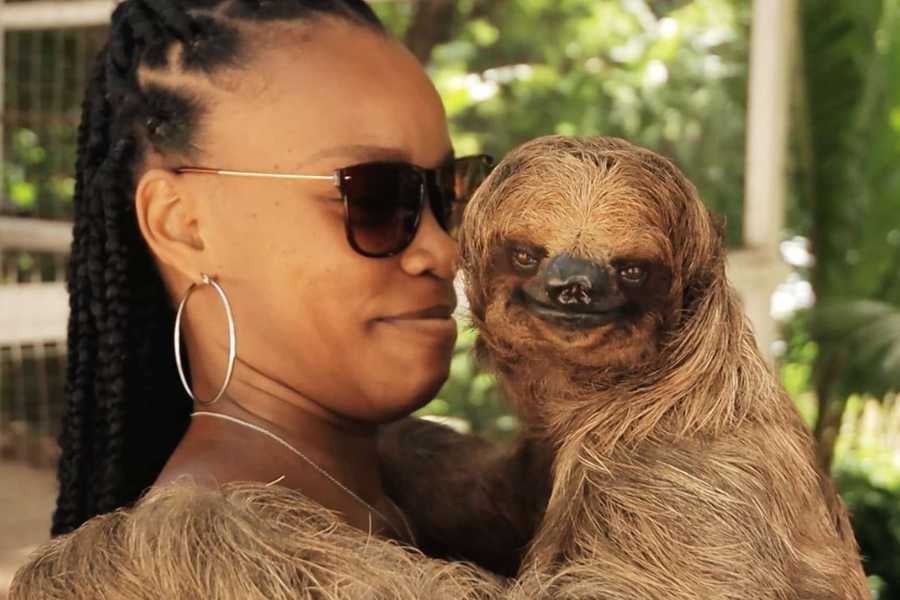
x=279 y=174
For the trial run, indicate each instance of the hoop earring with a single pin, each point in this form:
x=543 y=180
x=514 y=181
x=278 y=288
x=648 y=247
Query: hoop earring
x=232 y=344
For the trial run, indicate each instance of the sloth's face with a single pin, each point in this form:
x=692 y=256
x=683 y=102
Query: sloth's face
x=586 y=278
x=570 y=293
x=612 y=303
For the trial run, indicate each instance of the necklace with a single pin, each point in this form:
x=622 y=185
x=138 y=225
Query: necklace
x=321 y=471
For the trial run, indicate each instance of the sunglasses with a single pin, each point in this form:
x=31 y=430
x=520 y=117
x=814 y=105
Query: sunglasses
x=384 y=201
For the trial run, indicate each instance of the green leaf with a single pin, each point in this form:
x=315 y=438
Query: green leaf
x=23 y=194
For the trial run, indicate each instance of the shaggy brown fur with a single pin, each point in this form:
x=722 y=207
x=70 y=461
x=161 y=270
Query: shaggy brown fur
x=468 y=499
x=242 y=542
x=680 y=469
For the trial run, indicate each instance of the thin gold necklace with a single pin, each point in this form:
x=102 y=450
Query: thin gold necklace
x=322 y=471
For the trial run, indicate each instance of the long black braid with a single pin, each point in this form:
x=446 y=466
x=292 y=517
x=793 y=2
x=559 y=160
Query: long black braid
x=124 y=407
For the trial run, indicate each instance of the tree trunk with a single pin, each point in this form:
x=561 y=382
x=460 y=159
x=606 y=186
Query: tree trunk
x=830 y=410
x=432 y=24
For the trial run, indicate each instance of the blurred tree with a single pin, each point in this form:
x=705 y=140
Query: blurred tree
x=670 y=75
x=433 y=23
x=848 y=198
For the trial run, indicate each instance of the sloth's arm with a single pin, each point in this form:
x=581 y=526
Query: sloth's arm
x=468 y=499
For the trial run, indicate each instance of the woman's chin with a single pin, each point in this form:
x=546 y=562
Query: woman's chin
x=417 y=334
x=410 y=391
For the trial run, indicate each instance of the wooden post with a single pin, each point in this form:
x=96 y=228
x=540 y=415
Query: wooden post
x=771 y=62
x=36 y=235
x=2 y=94
x=758 y=268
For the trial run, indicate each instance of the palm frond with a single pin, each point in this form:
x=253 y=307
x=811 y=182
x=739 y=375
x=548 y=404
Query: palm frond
x=866 y=334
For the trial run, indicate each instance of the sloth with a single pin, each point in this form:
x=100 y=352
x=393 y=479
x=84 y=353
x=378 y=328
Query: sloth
x=242 y=541
x=658 y=457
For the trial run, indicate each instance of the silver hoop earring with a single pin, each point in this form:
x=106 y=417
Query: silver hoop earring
x=232 y=345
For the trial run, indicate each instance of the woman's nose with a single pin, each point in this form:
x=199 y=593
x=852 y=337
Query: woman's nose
x=432 y=249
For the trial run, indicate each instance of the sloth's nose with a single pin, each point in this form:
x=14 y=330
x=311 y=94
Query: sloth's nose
x=574 y=283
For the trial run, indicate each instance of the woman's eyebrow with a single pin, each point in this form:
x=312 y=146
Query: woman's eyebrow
x=366 y=153
x=360 y=152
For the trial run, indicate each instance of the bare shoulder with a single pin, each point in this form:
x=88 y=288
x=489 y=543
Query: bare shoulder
x=201 y=464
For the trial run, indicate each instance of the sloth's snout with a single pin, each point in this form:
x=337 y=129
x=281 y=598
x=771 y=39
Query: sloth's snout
x=572 y=292
x=576 y=284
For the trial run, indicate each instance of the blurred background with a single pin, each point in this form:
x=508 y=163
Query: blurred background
x=785 y=114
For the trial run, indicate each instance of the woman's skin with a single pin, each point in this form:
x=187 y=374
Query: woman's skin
x=326 y=347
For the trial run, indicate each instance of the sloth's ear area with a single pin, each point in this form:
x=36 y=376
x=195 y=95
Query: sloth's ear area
x=699 y=251
x=697 y=236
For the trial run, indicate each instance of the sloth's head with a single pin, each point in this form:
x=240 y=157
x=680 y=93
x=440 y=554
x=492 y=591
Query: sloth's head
x=586 y=251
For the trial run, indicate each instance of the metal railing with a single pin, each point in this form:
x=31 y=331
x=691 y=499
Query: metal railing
x=33 y=317
x=45 y=52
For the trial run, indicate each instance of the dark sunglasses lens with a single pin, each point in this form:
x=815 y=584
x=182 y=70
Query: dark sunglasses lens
x=457 y=183
x=384 y=203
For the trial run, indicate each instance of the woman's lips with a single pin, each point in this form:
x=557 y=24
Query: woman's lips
x=440 y=311
x=434 y=320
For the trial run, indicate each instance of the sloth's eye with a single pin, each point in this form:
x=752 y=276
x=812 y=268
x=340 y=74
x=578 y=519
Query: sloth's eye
x=523 y=259
x=632 y=275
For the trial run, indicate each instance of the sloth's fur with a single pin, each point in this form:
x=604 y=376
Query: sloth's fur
x=240 y=542
x=659 y=459
x=682 y=469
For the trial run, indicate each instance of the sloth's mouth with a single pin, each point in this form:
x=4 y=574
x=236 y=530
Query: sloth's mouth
x=576 y=317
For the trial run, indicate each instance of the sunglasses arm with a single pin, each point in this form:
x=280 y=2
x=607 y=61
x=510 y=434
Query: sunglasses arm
x=335 y=178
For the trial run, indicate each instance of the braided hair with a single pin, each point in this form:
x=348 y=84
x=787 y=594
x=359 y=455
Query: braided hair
x=125 y=410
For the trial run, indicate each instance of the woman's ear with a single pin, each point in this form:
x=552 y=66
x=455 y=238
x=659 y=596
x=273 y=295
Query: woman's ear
x=169 y=222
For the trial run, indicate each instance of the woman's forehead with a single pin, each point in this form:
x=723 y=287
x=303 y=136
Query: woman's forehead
x=333 y=96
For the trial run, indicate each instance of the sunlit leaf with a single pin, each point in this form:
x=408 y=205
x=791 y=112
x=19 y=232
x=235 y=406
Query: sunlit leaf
x=23 y=194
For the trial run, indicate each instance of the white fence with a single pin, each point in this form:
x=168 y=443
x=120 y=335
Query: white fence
x=45 y=55
x=33 y=317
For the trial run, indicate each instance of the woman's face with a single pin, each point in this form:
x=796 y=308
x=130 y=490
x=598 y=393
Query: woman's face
x=310 y=312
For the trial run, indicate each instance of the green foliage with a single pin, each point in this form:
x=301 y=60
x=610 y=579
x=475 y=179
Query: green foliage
x=875 y=511
x=847 y=199
x=867 y=334
x=848 y=131
x=472 y=395
x=865 y=466
x=796 y=366
x=667 y=75
x=28 y=180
